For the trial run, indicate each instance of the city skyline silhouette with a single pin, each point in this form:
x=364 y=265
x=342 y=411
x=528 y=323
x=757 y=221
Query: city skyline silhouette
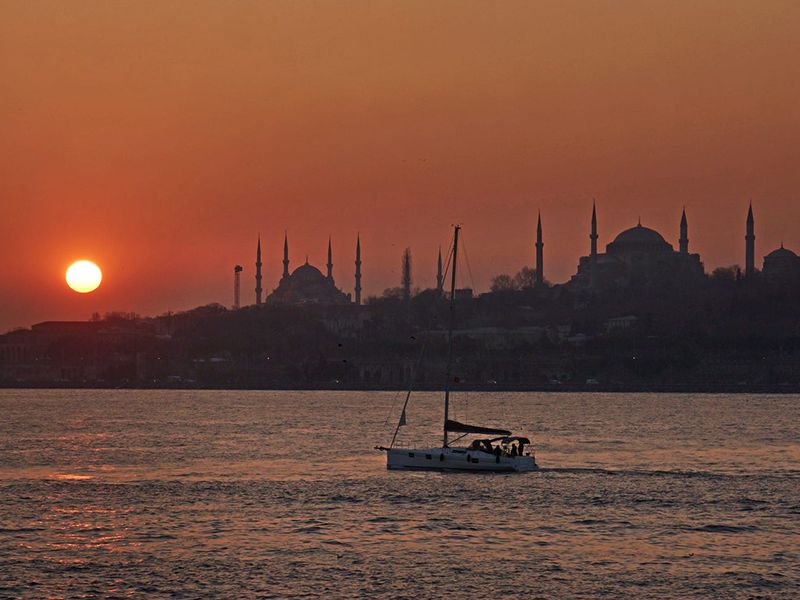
x=159 y=144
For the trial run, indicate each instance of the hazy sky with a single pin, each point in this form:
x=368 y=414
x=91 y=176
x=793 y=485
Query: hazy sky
x=159 y=138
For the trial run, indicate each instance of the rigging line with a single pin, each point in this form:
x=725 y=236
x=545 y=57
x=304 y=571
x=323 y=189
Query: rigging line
x=466 y=260
x=463 y=435
x=391 y=408
x=414 y=371
x=411 y=378
x=448 y=261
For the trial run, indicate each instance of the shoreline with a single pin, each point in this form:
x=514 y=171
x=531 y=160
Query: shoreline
x=774 y=389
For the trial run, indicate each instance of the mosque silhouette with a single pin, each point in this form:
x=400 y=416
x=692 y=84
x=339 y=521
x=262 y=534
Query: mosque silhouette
x=636 y=256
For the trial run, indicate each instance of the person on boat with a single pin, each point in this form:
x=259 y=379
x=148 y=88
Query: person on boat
x=520 y=445
x=513 y=449
x=497 y=452
x=476 y=445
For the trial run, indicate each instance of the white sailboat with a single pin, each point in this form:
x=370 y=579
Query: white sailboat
x=499 y=452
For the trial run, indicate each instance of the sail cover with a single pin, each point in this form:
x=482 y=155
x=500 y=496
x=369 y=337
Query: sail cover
x=456 y=427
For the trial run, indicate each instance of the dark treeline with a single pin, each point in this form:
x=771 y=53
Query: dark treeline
x=727 y=334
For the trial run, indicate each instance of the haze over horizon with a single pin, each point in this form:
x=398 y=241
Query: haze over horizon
x=159 y=139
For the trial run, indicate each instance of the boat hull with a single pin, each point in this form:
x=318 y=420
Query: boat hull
x=455 y=459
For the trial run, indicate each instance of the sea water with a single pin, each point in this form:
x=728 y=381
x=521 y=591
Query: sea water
x=281 y=494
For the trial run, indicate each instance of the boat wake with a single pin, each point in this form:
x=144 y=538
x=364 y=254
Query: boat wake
x=646 y=472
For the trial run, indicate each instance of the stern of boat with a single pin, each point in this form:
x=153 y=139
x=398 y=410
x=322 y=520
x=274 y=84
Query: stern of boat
x=523 y=464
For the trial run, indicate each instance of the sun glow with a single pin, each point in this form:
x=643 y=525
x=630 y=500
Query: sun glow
x=84 y=276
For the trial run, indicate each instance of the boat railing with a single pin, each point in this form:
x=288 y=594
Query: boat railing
x=410 y=445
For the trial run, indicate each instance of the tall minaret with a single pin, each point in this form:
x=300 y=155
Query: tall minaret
x=593 y=234
x=358 y=271
x=330 y=260
x=539 y=252
x=285 y=255
x=750 y=244
x=258 y=272
x=405 y=280
x=439 y=274
x=683 y=243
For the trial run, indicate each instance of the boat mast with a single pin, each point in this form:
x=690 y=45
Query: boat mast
x=450 y=335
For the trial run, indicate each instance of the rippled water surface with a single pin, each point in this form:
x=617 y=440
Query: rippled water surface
x=275 y=494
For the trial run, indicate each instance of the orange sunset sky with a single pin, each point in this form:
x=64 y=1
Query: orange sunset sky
x=159 y=138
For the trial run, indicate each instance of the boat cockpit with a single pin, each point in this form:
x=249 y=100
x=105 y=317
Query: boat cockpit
x=511 y=445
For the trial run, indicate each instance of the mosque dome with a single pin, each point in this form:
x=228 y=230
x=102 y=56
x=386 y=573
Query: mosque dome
x=307 y=285
x=307 y=274
x=782 y=266
x=639 y=239
x=781 y=253
x=639 y=256
x=640 y=235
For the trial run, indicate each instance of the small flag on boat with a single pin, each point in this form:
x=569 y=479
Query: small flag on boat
x=402 y=418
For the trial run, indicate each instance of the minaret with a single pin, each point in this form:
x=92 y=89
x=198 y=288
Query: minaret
x=406 y=279
x=593 y=234
x=285 y=255
x=750 y=245
x=258 y=272
x=683 y=243
x=358 y=271
x=330 y=260
x=439 y=274
x=539 y=253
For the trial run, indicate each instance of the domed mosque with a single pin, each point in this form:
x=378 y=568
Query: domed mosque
x=307 y=285
x=782 y=266
x=638 y=256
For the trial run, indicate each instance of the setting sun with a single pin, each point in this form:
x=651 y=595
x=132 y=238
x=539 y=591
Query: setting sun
x=84 y=276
